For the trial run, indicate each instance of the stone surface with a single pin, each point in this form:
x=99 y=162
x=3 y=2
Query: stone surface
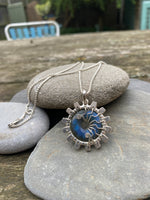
x=13 y=140
x=119 y=170
x=139 y=85
x=20 y=97
x=11 y=177
x=21 y=60
x=136 y=84
x=63 y=91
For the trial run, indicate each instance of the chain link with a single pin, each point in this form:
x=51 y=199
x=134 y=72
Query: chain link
x=83 y=91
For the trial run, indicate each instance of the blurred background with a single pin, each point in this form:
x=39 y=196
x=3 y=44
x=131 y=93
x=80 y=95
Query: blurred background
x=77 y=16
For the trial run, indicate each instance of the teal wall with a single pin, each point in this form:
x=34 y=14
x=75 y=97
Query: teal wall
x=145 y=15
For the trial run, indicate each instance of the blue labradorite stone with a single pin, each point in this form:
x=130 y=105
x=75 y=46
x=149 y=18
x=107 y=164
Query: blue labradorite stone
x=85 y=122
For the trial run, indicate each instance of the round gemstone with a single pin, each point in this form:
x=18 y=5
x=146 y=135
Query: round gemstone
x=85 y=124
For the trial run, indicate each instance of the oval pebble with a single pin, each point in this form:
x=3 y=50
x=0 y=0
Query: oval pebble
x=13 y=140
x=62 y=91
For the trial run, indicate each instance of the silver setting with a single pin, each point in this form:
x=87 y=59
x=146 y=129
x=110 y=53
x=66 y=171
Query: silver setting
x=101 y=137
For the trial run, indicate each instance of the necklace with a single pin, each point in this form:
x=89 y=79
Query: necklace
x=30 y=108
x=86 y=125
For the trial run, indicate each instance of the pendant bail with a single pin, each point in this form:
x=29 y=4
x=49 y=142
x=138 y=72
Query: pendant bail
x=84 y=96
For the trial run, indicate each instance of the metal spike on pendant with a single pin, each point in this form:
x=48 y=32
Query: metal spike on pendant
x=88 y=147
x=66 y=129
x=69 y=111
x=97 y=144
x=65 y=120
x=107 y=129
x=102 y=110
x=107 y=118
x=94 y=104
x=77 y=145
x=76 y=105
x=70 y=138
x=104 y=138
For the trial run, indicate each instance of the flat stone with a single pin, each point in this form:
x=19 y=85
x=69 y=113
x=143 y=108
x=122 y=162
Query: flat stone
x=139 y=85
x=20 y=97
x=13 y=140
x=119 y=170
x=108 y=85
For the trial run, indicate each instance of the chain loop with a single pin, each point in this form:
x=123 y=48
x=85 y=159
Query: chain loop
x=83 y=91
x=84 y=96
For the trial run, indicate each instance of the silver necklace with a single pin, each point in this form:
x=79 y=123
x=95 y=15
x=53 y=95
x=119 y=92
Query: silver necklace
x=30 y=108
x=93 y=126
x=86 y=125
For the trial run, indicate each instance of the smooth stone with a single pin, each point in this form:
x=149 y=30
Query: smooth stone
x=119 y=170
x=139 y=85
x=62 y=91
x=20 y=97
x=13 y=140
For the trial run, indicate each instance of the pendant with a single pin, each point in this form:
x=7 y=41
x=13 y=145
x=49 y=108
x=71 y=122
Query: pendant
x=86 y=125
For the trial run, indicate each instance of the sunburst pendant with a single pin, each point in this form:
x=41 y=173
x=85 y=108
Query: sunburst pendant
x=86 y=125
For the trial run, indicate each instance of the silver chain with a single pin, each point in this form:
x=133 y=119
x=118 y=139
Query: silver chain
x=92 y=79
x=30 y=109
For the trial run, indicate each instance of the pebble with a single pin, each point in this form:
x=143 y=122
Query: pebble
x=139 y=85
x=119 y=170
x=62 y=91
x=136 y=84
x=20 y=97
x=14 y=140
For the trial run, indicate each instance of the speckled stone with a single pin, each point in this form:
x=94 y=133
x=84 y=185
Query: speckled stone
x=13 y=140
x=119 y=170
x=136 y=84
x=61 y=92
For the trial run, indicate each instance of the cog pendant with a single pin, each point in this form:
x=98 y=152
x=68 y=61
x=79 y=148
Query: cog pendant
x=86 y=125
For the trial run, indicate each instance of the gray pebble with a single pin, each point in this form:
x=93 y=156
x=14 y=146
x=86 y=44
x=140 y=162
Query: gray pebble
x=139 y=85
x=119 y=170
x=20 y=97
x=13 y=140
